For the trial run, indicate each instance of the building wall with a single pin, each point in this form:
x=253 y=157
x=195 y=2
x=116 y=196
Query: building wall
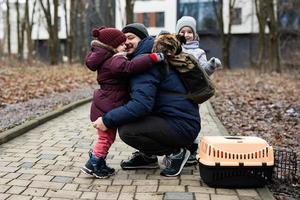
x=249 y=23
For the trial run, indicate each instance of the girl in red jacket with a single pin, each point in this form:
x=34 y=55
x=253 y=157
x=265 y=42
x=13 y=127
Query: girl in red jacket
x=107 y=57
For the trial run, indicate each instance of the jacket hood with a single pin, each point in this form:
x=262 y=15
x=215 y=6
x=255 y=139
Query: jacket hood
x=103 y=50
x=145 y=46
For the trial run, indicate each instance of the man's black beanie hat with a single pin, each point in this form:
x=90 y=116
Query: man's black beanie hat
x=137 y=29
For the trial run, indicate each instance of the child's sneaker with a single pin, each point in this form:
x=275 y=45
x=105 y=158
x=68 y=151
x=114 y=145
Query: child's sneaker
x=88 y=167
x=97 y=167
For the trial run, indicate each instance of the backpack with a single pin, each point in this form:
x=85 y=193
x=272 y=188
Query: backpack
x=198 y=84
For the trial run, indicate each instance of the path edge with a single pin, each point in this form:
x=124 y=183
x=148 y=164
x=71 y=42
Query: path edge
x=16 y=131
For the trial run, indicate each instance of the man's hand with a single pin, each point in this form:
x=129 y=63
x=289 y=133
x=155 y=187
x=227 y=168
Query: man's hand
x=98 y=124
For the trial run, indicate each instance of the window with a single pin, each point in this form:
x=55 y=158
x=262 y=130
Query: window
x=202 y=10
x=160 y=19
x=237 y=16
x=151 y=19
x=288 y=14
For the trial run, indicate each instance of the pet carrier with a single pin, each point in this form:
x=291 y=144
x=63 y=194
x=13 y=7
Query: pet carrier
x=235 y=161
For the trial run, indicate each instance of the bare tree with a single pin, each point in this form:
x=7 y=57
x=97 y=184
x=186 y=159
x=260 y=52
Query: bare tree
x=266 y=16
x=260 y=7
x=52 y=27
x=225 y=37
x=8 y=27
x=28 y=27
x=20 y=31
x=274 y=36
x=129 y=11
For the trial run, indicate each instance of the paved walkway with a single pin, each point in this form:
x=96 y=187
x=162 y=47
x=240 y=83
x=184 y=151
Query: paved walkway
x=44 y=163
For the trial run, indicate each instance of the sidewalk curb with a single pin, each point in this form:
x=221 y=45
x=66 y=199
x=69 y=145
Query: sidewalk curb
x=23 y=128
x=264 y=192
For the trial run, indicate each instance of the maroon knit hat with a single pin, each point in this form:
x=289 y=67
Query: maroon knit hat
x=109 y=36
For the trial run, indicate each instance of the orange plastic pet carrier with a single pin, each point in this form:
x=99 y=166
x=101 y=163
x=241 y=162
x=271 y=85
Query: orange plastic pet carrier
x=235 y=161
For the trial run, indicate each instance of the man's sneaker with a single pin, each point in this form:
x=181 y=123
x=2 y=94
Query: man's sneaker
x=140 y=161
x=192 y=160
x=175 y=163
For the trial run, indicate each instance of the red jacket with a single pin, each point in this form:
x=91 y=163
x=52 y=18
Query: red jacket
x=113 y=77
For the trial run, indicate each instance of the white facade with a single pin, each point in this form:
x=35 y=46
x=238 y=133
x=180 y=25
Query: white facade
x=248 y=16
x=39 y=29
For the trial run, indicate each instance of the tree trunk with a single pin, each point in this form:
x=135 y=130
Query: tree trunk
x=129 y=11
x=83 y=36
x=274 y=37
x=8 y=28
x=29 y=25
x=52 y=30
x=260 y=8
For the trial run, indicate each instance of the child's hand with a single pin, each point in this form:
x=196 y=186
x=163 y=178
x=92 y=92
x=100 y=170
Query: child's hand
x=157 y=57
x=215 y=64
x=98 y=124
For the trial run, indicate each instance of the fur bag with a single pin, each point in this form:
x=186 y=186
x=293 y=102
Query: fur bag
x=198 y=84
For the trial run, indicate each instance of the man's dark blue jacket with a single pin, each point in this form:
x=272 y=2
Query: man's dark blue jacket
x=149 y=97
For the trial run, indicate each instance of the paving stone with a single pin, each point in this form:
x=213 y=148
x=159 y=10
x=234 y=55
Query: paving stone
x=114 y=188
x=200 y=196
x=19 y=197
x=63 y=194
x=46 y=185
x=127 y=188
x=225 y=191
x=121 y=182
x=247 y=192
x=33 y=171
x=147 y=188
x=148 y=196
x=4 y=196
x=126 y=196
x=4 y=188
x=42 y=178
x=145 y=182
x=107 y=195
x=35 y=192
x=88 y=195
x=223 y=197
x=15 y=190
x=12 y=175
x=170 y=188
x=19 y=182
x=62 y=179
x=190 y=183
x=8 y=169
x=249 y=198
x=179 y=196
x=40 y=198
x=26 y=176
x=3 y=181
x=70 y=186
x=48 y=156
x=201 y=189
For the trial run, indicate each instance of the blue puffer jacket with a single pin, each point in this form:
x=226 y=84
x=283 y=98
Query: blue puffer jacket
x=149 y=97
